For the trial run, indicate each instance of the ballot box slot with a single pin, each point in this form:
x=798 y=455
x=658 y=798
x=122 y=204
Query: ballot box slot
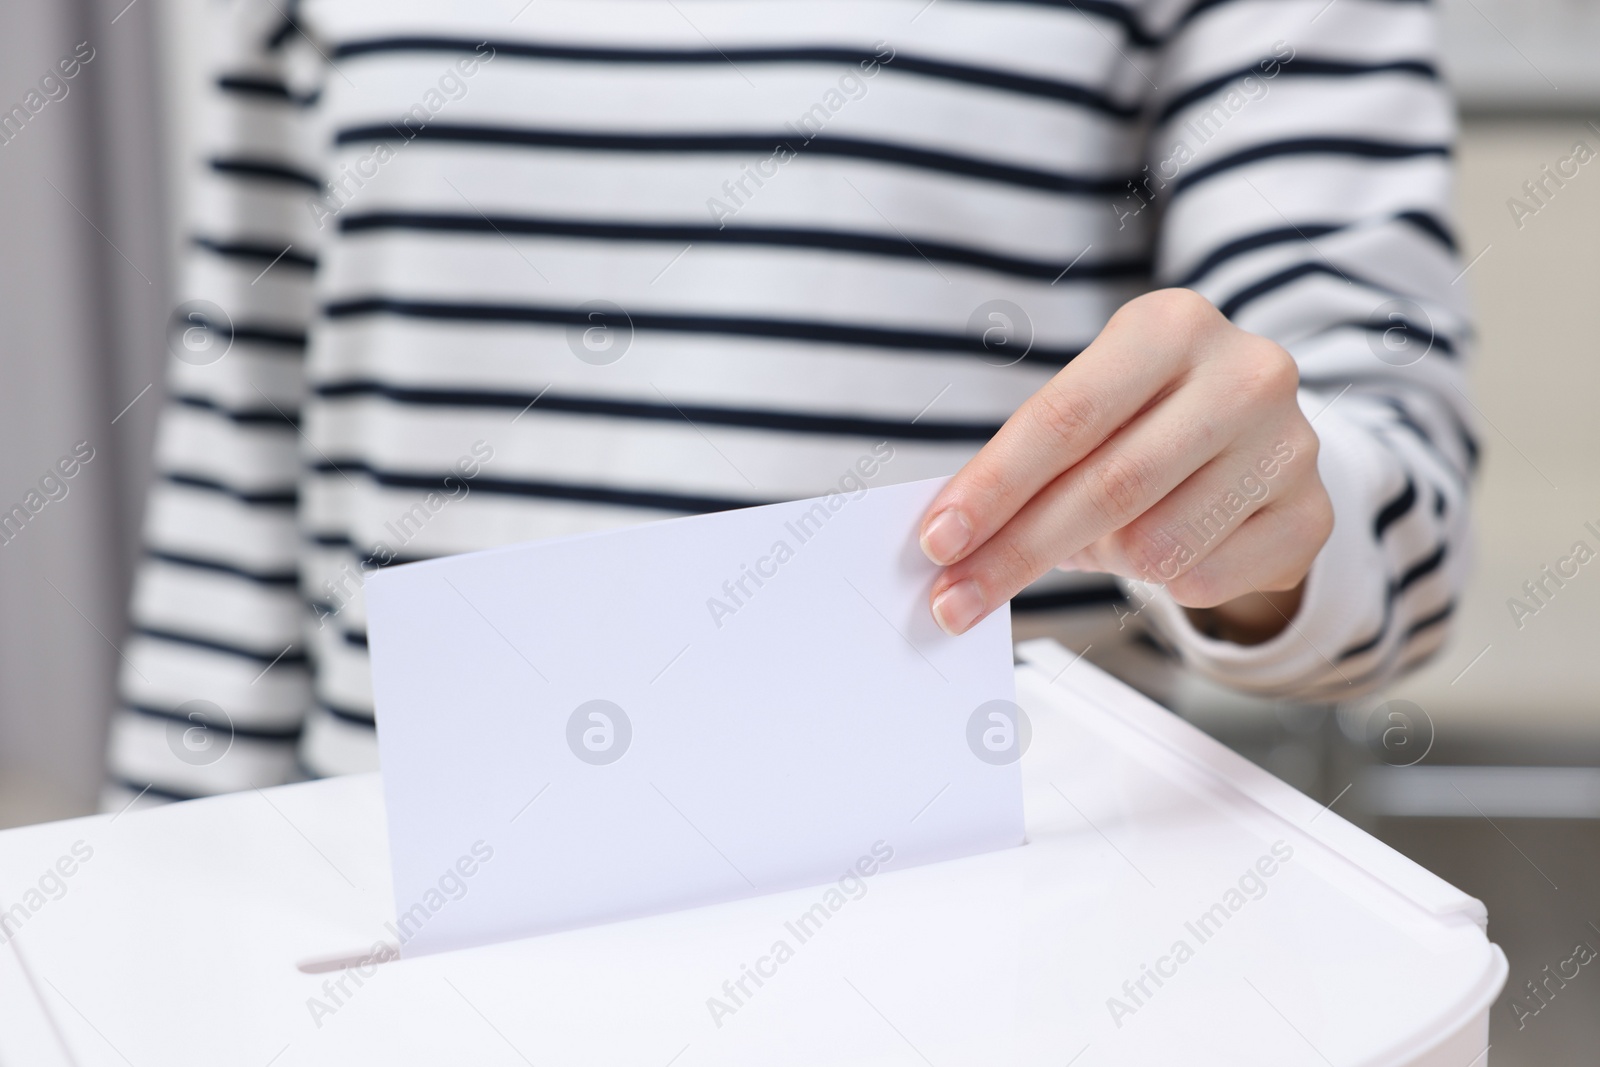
x=347 y=961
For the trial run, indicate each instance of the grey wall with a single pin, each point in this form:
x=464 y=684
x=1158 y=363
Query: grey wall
x=83 y=300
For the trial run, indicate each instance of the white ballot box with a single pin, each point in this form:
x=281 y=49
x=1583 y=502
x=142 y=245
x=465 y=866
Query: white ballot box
x=1174 y=904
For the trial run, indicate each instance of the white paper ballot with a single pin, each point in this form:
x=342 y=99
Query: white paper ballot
x=680 y=713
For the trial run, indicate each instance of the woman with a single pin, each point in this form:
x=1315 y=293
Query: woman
x=465 y=274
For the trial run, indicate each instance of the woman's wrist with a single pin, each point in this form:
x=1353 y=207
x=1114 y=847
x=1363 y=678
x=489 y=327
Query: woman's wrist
x=1252 y=619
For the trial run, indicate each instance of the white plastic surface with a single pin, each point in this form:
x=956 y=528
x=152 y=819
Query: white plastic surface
x=178 y=941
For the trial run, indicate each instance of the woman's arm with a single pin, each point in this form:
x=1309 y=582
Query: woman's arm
x=1299 y=163
x=215 y=683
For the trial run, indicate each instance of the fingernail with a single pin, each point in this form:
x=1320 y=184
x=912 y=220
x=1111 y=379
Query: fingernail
x=957 y=608
x=945 y=537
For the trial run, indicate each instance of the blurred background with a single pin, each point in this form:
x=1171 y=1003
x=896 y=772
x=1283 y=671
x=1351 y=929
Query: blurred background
x=1484 y=766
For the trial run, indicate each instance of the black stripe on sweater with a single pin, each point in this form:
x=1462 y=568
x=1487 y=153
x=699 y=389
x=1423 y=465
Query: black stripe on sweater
x=1127 y=19
x=1305 y=231
x=231 y=729
x=1430 y=621
x=899 y=247
x=291 y=658
x=269 y=170
x=1403 y=417
x=1426 y=337
x=1423 y=624
x=277 y=498
x=1395 y=510
x=284 y=417
x=1277 y=280
x=1119 y=15
x=1350 y=147
x=272 y=336
x=1192 y=12
x=1420 y=570
x=964 y=73
x=834 y=145
x=825 y=333
x=323 y=611
x=181 y=559
x=1289 y=275
x=1363 y=647
x=256 y=252
x=1068 y=599
x=1299 y=66
x=1397 y=665
x=391 y=558
x=698 y=414
x=265 y=88
x=1430 y=225
x=287 y=28
x=616 y=496
x=249 y=333
x=1412 y=574
x=353 y=716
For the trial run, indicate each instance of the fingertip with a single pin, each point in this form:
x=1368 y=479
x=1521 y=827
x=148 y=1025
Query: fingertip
x=958 y=608
x=946 y=536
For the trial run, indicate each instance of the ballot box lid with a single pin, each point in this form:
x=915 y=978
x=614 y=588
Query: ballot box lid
x=1174 y=904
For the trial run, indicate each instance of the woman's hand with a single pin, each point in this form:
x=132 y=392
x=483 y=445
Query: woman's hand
x=1172 y=450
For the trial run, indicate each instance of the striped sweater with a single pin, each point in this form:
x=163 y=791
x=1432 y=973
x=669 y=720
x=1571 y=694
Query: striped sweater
x=462 y=274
